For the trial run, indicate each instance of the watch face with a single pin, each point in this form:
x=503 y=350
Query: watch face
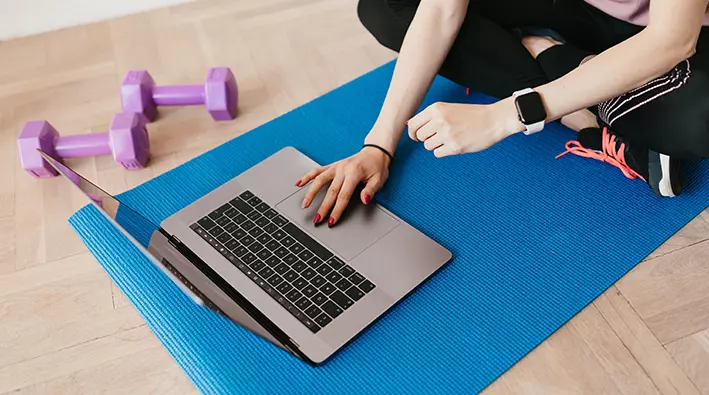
x=530 y=108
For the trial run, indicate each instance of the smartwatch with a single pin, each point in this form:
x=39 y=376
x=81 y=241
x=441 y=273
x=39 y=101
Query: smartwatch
x=530 y=109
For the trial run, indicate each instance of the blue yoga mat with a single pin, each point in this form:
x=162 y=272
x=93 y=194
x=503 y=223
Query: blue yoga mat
x=534 y=240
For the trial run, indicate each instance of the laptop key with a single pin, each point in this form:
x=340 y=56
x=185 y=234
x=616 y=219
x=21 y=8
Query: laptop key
x=278 y=234
x=273 y=261
x=281 y=252
x=275 y=280
x=290 y=276
x=256 y=247
x=264 y=254
x=317 y=281
x=240 y=251
x=270 y=213
x=272 y=245
x=290 y=259
x=354 y=293
x=263 y=207
x=238 y=233
x=206 y=223
x=256 y=232
x=319 y=299
x=343 y=284
x=296 y=248
x=231 y=212
x=246 y=240
x=341 y=299
x=294 y=295
x=288 y=241
x=333 y=277
x=336 y=263
x=299 y=283
x=307 y=241
x=239 y=219
x=323 y=320
x=299 y=266
x=327 y=288
x=216 y=231
x=222 y=221
x=309 y=291
x=263 y=221
x=254 y=215
x=308 y=273
x=254 y=201
x=308 y=323
x=266 y=272
x=246 y=195
x=248 y=258
x=313 y=311
x=282 y=268
x=324 y=270
x=303 y=303
x=257 y=265
x=279 y=220
x=305 y=255
x=232 y=244
x=366 y=286
x=224 y=238
x=356 y=278
x=332 y=309
x=247 y=225
x=264 y=239
x=231 y=227
x=284 y=288
x=270 y=228
x=346 y=271
x=315 y=262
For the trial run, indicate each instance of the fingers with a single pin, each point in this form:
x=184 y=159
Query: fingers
x=320 y=181
x=444 y=150
x=433 y=142
x=330 y=198
x=418 y=121
x=343 y=198
x=309 y=176
x=373 y=185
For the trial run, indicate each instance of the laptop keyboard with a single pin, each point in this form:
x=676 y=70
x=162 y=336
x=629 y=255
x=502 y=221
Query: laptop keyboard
x=301 y=274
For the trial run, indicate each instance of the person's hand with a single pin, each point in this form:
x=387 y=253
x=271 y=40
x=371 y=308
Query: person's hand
x=369 y=166
x=451 y=128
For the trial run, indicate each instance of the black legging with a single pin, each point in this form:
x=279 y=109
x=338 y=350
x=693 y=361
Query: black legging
x=668 y=115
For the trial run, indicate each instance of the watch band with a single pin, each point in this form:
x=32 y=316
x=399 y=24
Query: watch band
x=534 y=127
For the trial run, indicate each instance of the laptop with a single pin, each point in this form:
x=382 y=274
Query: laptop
x=248 y=251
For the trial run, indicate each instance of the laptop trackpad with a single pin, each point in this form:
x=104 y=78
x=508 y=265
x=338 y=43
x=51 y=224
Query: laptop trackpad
x=360 y=226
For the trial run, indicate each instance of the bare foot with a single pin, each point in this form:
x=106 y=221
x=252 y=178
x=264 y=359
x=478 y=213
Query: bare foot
x=579 y=120
x=537 y=44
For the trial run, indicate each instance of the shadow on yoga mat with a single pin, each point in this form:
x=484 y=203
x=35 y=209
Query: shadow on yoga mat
x=534 y=240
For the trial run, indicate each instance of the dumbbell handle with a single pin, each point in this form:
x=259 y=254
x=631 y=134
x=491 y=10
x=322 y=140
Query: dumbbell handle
x=178 y=95
x=82 y=145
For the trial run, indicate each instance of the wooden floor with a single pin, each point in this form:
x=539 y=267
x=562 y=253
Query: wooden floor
x=66 y=329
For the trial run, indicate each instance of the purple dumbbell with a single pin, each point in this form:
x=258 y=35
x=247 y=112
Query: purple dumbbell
x=127 y=140
x=219 y=94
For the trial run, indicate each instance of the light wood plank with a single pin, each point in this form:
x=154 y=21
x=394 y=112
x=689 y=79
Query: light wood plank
x=641 y=343
x=670 y=293
x=692 y=355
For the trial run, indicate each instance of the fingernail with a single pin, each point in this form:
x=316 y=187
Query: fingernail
x=303 y=205
x=331 y=221
x=367 y=198
x=316 y=219
x=297 y=183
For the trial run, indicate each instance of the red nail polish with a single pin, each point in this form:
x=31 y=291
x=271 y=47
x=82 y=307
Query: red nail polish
x=367 y=198
x=297 y=183
x=316 y=219
x=331 y=221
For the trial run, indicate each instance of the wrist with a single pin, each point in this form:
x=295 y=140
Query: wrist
x=383 y=137
x=506 y=114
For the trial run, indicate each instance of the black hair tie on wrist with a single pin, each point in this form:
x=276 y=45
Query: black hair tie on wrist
x=391 y=157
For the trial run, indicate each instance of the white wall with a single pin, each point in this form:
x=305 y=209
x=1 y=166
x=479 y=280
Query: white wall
x=26 y=17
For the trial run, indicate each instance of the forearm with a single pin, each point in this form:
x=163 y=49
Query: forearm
x=425 y=46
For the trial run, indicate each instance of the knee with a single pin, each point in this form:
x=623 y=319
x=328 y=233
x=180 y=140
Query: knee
x=380 y=20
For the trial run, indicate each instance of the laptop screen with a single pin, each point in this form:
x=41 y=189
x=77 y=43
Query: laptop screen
x=138 y=229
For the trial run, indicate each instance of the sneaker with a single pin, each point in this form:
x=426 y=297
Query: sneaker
x=661 y=172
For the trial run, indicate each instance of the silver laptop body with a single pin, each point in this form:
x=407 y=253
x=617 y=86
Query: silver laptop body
x=250 y=252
